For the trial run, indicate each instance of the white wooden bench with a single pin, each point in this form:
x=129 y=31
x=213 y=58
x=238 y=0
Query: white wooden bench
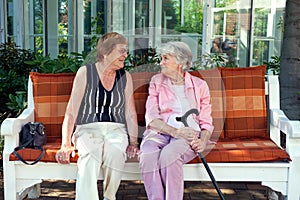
x=282 y=176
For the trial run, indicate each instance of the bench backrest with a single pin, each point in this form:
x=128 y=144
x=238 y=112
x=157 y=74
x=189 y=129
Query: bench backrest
x=237 y=97
x=51 y=94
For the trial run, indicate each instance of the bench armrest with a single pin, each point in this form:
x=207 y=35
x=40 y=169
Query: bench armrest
x=11 y=127
x=279 y=120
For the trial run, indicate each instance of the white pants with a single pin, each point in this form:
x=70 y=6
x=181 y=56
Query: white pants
x=101 y=147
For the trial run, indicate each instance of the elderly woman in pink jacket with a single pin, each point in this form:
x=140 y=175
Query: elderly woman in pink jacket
x=167 y=144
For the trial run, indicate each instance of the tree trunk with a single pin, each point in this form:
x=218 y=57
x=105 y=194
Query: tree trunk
x=290 y=61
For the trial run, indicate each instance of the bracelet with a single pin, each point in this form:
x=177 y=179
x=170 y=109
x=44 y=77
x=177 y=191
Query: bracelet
x=133 y=143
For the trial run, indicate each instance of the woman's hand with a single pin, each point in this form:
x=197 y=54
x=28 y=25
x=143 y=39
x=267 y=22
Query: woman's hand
x=198 y=145
x=132 y=150
x=186 y=133
x=63 y=155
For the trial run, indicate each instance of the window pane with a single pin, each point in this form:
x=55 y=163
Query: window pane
x=63 y=26
x=94 y=14
x=141 y=39
x=10 y=20
x=267 y=30
x=231 y=27
x=37 y=25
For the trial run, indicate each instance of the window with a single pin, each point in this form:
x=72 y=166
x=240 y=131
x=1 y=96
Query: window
x=248 y=30
x=239 y=25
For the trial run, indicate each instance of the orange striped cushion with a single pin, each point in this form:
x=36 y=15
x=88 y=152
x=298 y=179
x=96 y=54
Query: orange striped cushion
x=245 y=102
x=244 y=150
x=51 y=94
x=226 y=150
x=214 y=81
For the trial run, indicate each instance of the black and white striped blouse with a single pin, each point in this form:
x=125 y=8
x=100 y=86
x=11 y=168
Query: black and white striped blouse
x=99 y=104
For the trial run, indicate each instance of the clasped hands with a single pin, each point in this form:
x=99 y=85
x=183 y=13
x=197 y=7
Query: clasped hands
x=192 y=137
x=132 y=150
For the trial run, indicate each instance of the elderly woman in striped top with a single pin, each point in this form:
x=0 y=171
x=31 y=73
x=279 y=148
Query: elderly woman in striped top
x=102 y=109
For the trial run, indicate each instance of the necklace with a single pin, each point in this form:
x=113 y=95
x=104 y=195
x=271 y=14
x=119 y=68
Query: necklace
x=178 y=82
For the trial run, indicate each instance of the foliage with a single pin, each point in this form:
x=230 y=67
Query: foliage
x=17 y=102
x=143 y=60
x=193 y=14
x=261 y=19
x=13 y=71
x=273 y=66
x=280 y=24
x=15 y=65
x=212 y=60
x=96 y=30
x=90 y=58
x=61 y=64
x=224 y=3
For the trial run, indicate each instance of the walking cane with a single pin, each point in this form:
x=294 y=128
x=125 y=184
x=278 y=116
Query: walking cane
x=183 y=119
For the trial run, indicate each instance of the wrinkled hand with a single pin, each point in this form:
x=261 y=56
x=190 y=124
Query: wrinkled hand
x=198 y=145
x=63 y=155
x=132 y=150
x=186 y=133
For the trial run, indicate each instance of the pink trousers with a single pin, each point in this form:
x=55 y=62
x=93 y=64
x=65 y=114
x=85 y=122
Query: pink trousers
x=161 y=159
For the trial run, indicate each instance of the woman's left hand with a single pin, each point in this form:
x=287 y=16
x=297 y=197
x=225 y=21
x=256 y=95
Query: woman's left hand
x=198 y=145
x=132 y=150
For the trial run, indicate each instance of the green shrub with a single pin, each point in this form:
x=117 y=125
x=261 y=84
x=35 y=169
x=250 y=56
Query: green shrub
x=273 y=66
x=15 y=65
x=13 y=71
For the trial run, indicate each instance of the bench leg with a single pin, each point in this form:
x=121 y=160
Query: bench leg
x=30 y=188
x=9 y=178
x=34 y=191
x=294 y=180
x=16 y=189
x=273 y=195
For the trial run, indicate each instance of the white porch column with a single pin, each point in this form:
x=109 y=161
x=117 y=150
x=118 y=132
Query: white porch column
x=157 y=28
x=207 y=25
x=79 y=25
x=117 y=19
x=2 y=21
x=130 y=29
x=18 y=22
x=51 y=24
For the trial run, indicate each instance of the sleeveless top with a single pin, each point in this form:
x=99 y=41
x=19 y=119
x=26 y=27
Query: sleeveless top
x=99 y=104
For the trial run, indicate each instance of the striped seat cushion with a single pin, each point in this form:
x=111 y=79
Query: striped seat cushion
x=226 y=150
x=255 y=149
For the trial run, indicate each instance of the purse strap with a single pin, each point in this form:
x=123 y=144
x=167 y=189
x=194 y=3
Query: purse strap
x=35 y=147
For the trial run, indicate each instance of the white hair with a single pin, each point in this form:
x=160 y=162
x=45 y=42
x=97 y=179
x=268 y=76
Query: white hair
x=181 y=51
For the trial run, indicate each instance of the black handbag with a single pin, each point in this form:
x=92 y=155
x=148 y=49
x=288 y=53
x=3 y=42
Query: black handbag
x=32 y=135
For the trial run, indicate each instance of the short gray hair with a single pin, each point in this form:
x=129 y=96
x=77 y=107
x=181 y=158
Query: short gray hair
x=181 y=51
x=107 y=43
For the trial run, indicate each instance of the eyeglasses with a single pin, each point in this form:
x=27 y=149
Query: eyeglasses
x=123 y=50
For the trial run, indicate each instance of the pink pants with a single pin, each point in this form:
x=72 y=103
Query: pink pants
x=161 y=160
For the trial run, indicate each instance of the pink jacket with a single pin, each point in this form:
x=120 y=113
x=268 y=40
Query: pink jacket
x=161 y=97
